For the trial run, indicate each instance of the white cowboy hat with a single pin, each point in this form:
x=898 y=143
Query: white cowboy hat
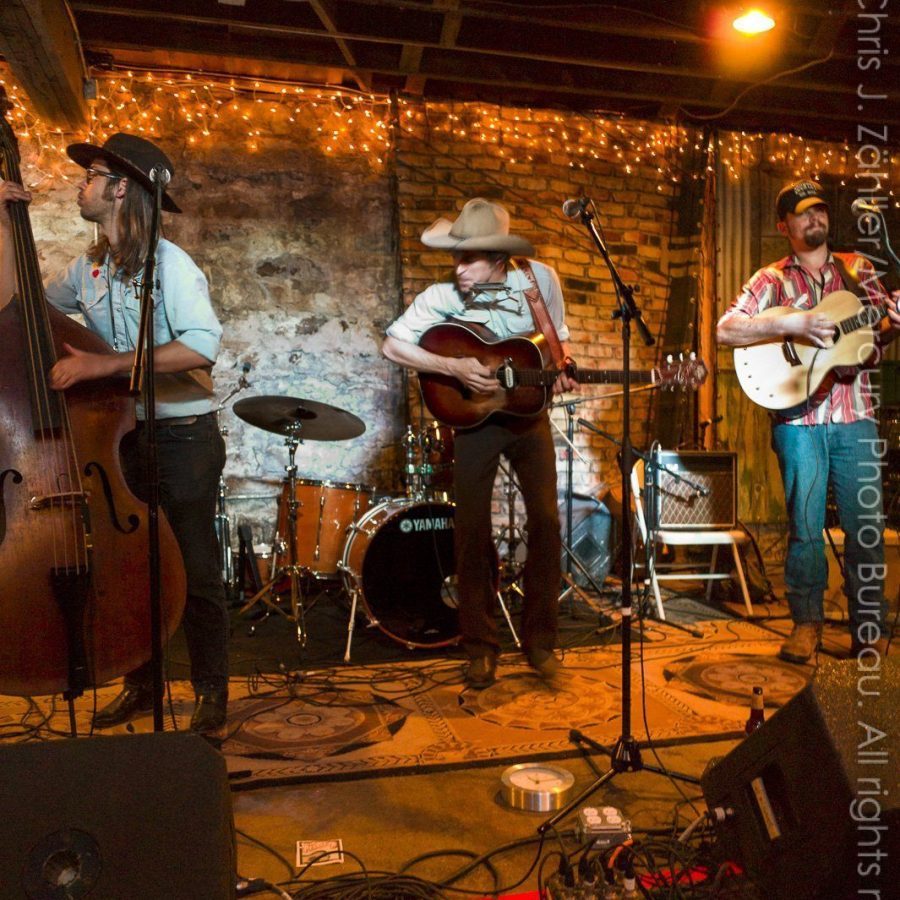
x=481 y=225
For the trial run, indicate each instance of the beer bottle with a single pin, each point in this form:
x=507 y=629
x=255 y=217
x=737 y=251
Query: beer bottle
x=757 y=710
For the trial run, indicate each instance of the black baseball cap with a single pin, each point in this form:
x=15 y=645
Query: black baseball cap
x=799 y=196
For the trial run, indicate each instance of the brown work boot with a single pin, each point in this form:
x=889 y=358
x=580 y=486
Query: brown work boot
x=802 y=643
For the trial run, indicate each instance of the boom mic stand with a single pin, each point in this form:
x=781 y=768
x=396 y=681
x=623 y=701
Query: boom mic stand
x=625 y=755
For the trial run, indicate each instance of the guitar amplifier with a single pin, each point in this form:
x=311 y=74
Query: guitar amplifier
x=682 y=506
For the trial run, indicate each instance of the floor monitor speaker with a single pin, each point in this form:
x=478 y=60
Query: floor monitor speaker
x=808 y=803
x=143 y=817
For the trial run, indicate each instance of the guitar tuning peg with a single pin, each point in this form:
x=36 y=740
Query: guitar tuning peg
x=680 y=357
x=669 y=359
x=693 y=356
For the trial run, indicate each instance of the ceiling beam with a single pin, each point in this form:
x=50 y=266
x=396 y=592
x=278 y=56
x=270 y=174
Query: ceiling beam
x=39 y=41
x=324 y=9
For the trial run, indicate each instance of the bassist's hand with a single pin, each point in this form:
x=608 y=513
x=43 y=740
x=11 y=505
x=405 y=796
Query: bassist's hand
x=79 y=365
x=811 y=326
x=10 y=192
x=476 y=376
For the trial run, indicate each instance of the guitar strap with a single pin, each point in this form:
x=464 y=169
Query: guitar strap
x=541 y=314
x=850 y=279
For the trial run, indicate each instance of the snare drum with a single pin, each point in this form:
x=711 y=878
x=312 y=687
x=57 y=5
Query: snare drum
x=325 y=510
x=399 y=560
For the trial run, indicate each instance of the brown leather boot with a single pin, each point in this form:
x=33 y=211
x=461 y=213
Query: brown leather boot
x=803 y=642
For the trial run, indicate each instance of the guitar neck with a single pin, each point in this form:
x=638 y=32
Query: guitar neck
x=546 y=377
x=867 y=316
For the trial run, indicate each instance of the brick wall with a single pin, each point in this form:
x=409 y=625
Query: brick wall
x=438 y=169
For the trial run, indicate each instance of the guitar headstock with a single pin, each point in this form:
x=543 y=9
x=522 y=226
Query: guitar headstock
x=686 y=373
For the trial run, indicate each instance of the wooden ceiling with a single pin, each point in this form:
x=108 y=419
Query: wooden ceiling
x=658 y=59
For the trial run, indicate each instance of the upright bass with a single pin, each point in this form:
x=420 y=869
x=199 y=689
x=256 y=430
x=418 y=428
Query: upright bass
x=74 y=575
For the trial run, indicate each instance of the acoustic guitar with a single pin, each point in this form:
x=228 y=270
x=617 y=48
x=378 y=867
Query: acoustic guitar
x=524 y=379
x=785 y=375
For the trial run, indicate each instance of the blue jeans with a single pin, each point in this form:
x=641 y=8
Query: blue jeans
x=191 y=458
x=849 y=457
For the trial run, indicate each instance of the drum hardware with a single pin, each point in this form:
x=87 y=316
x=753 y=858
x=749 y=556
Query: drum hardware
x=296 y=420
x=222 y=522
x=428 y=470
x=572 y=588
x=513 y=537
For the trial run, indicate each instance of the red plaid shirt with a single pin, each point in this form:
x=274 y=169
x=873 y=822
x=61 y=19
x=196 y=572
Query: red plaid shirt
x=787 y=283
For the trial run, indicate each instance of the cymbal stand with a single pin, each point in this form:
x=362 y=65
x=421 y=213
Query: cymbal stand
x=222 y=522
x=292 y=571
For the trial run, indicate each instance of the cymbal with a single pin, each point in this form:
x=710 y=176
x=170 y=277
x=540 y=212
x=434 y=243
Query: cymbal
x=307 y=420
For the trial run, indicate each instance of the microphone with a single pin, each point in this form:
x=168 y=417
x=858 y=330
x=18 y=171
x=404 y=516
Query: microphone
x=160 y=174
x=575 y=206
x=245 y=368
x=861 y=205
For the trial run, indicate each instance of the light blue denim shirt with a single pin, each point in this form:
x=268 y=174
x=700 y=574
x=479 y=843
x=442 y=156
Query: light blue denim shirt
x=110 y=305
x=505 y=312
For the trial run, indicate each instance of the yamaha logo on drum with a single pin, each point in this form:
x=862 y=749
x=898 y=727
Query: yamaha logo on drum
x=440 y=523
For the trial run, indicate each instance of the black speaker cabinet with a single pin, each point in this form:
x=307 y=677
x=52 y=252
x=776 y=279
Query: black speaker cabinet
x=809 y=803
x=711 y=504
x=591 y=538
x=131 y=817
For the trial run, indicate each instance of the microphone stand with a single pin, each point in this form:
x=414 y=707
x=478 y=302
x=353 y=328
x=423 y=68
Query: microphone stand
x=143 y=382
x=625 y=755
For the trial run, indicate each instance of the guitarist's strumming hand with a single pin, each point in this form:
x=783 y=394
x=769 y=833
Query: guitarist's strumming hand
x=476 y=376
x=811 y=326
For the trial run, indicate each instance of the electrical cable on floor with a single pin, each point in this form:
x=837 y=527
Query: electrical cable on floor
x=268 y=848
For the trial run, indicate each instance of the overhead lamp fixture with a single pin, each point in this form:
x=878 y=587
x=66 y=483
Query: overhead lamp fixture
x=753 y=22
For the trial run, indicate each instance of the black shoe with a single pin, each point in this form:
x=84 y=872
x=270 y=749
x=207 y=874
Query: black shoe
x=130 y=701
x=482 y=671
x=544 y=662
x=209 y=711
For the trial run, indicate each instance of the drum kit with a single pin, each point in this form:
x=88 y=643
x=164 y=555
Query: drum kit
x=392 y=556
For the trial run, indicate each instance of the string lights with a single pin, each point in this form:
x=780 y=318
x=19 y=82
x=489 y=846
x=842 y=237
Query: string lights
x=344 y=123
x=204 y=111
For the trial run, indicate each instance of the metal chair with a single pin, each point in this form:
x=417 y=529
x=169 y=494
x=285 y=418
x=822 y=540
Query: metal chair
x=706 y=537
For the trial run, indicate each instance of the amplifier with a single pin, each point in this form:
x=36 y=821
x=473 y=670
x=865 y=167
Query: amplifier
x=681 y=505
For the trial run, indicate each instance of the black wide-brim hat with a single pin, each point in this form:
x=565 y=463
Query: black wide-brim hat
x=128 y=155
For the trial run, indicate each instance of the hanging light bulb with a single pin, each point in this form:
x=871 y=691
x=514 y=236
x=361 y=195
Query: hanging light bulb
x=753 y=22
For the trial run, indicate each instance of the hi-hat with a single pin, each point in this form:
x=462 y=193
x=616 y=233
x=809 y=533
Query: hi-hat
x=305 y=419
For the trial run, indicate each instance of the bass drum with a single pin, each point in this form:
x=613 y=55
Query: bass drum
x=399 y=560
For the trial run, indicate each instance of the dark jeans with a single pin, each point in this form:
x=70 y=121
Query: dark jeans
x=848 y=457
x=191 y=458
x=528 y=445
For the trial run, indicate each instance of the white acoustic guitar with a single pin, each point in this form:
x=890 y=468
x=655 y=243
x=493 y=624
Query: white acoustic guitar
x=785 y=374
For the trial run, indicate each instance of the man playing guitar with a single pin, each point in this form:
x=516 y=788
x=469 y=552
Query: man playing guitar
x=490 y=291
x=833 y=438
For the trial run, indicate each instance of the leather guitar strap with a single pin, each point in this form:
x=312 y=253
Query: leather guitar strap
x=850 y=279
x=541 y=314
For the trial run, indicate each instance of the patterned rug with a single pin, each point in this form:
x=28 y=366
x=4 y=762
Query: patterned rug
x=360 y=721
